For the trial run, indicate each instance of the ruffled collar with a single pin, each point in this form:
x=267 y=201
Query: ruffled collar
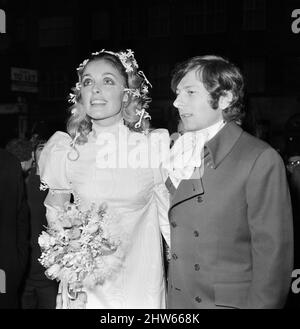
x=113 y=129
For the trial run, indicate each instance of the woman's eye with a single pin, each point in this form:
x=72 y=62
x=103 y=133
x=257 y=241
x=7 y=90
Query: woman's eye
x=108 y=81
x=87 y=82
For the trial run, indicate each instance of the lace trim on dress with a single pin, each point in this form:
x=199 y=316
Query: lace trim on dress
x=44 y=187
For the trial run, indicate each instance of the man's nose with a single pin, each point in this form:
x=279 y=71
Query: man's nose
x=177 y=102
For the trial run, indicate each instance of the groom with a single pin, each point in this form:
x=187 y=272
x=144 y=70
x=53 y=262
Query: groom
x=231 y=222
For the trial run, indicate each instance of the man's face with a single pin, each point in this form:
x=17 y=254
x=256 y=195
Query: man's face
x=193 y=104
x=291 y=163
x=26 y=165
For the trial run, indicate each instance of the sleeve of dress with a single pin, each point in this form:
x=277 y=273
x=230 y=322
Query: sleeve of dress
x=161 y=193
x=54 y=173
x=53 y=163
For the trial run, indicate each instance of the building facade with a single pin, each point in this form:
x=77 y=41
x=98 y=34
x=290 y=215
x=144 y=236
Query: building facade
x=53 y=37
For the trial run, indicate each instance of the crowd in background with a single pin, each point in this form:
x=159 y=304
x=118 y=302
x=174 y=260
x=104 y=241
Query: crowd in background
x=36 y=291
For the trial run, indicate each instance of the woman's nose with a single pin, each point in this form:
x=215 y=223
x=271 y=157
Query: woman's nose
x=96 y=88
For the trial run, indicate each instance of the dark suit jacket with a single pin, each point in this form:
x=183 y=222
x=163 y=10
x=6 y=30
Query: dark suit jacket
x=231 y=231
x=13 y=228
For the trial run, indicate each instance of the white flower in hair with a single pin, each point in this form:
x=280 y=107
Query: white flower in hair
x=72 y=98
x=145 y=90
x=82 y=65
x=141 y=73
x=133 y=92
x=130 y=53
x=143 y=114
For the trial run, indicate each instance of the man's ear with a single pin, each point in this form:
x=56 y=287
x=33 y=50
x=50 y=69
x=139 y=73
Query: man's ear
x=225 y=100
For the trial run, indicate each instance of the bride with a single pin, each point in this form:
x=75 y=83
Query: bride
x=89 y=162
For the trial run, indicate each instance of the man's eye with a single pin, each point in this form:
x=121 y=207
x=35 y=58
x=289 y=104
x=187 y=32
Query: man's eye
x=191 y=92
x=108 y=81
x=87 y=82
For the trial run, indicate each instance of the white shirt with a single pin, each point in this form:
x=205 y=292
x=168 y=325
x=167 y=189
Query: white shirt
x=212 y=130
x=187 y=153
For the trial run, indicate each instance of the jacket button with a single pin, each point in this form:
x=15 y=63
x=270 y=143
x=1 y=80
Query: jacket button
x=199 y=199
x=173 y=224
x=196 y=234
x=198 y=299
x=197 y=267
x=174 y=256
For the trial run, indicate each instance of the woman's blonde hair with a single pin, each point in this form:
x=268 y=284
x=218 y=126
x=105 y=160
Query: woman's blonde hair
x=133 y=110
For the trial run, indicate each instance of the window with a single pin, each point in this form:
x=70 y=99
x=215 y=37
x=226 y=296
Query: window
x=21 y=29
x=101 y=25
x=291 y=73
x=55 y=31
x=2 y=21
x=132 y=24
x=207 y=16
x=254 y=15
x=159 y=21
x=54 y=85
x=159 y=78
x=255 y=74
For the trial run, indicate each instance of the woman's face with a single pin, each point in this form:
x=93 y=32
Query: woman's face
x=102 y=92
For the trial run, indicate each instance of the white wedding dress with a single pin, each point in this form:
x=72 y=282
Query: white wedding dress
x=138 y=195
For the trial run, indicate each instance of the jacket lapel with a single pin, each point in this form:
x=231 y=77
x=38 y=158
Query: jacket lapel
x=188 y=188
x=214 y=152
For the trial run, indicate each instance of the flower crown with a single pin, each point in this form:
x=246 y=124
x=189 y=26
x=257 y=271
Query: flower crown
x=130 y=65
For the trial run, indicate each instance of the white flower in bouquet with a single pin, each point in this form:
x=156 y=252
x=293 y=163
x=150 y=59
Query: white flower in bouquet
x=46 y=241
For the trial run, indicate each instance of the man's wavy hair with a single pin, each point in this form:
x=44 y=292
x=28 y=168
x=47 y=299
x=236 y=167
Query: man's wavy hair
x=218 y=76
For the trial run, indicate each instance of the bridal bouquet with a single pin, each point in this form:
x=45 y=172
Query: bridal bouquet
x=82 y=248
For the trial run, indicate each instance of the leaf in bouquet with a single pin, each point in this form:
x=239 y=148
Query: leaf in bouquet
x=74 y=245
x=91 y=280
x=92 y=228
x=53 y=271
x=77 y=221
x=74 y=233
x=66 y=222
x=107 y=252
x=60 y=255
x=103 y=207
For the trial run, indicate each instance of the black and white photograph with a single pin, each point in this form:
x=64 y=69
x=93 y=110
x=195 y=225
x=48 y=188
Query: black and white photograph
x=149 y=158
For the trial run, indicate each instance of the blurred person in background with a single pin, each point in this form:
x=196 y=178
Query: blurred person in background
x=23 y=150
x=292 y=157
x=13 y=229
x=38 y=292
